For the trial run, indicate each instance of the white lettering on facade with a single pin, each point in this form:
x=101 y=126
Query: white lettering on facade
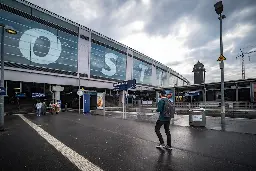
x=143 y=69
x=28 y=40
x=110 y=64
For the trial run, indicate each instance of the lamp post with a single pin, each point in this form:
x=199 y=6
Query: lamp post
x=9 y=30
x=219 y=9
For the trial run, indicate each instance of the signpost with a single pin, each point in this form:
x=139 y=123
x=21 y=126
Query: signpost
x=124 y=86
x=80 y=92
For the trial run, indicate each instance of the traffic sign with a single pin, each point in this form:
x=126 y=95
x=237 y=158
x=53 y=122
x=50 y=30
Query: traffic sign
x=80 y=92
x=125 y=85
x=2 y=91
x=221 y=58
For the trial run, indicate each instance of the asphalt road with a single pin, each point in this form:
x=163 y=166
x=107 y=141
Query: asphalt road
x=116 y=144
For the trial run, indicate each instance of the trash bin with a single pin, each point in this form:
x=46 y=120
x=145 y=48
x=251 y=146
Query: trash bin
x=197 y=117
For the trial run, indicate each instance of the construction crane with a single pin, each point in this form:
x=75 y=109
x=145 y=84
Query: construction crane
x=242 y=56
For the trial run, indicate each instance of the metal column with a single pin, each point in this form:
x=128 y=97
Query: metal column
x=222 y=75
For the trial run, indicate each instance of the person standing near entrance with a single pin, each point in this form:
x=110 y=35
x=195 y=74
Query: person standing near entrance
x=164 y=107
x=38 y=108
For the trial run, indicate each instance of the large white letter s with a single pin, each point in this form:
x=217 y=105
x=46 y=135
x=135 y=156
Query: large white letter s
x=110 y=64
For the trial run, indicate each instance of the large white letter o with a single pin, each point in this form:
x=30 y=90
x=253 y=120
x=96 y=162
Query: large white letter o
x=29 y=37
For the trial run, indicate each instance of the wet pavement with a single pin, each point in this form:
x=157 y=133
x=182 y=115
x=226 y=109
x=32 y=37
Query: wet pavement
x=116 y=144
x=22 y=149
x=240 y=125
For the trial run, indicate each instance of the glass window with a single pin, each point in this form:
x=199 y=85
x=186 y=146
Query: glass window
x=172 y=80
x=107 y=63
x=38 y=45
x=180 y=82
x=110 y=43
x=165 y=79
x=161 y=77
x=142 y=57
x=142 y=72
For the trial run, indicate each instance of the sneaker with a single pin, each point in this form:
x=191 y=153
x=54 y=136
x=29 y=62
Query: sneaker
x=168 y=147
x=160 y=146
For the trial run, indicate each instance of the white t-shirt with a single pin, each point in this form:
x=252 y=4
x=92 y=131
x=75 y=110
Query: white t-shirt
x=39 y=105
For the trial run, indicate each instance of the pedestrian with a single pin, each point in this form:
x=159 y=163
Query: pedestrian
x=43 y=108
x=165 y=109
x=38 y=108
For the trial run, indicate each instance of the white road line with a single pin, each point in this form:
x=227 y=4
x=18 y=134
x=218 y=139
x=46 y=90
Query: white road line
x=79 y=161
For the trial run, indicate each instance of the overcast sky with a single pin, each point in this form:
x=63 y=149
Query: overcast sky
x=177 y=33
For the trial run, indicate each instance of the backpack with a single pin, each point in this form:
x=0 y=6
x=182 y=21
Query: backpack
x=169 y=109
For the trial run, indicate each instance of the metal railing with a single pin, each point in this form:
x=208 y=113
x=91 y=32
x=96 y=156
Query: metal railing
x=217 y=105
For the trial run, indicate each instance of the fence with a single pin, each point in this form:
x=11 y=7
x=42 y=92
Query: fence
x=216 y=105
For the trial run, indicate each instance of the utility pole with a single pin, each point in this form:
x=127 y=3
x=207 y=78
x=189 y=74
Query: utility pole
x=243 y=68
x=204 y=91
x=243 y=63
x=219 y=9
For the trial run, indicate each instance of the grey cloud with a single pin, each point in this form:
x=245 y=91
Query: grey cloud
x=174 y=63
x=166 y=13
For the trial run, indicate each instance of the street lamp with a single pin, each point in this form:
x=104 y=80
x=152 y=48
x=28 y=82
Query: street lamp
x=219 y=9
x=9 y=30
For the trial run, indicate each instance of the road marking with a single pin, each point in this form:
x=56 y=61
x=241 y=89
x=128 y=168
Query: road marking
x=78 y=160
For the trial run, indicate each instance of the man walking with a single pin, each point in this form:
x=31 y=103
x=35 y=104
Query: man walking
x=165 y=115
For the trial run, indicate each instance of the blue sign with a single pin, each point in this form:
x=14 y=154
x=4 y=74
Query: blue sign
x=35 y=95
x=86 y=103
x=125 y=85
x=192 y=93
x=2 y=91
x=59 y=103
x=20 y=95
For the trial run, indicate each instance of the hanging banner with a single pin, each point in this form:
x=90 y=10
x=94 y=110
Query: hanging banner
x=100 y=101
x=170 y=95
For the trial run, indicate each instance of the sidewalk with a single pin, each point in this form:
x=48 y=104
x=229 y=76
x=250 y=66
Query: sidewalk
x=116 y=144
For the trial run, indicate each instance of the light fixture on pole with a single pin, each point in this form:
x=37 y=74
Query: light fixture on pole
x=10 y=30
x=219 y=9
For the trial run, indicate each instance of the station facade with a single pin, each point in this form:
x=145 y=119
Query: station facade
x=51 y=50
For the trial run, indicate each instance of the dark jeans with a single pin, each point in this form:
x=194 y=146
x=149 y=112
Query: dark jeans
x=167 y=131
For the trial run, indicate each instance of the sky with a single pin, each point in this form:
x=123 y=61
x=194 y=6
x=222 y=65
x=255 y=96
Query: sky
x=177 y=33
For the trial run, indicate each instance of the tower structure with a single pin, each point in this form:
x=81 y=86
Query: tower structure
x=199 y=73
